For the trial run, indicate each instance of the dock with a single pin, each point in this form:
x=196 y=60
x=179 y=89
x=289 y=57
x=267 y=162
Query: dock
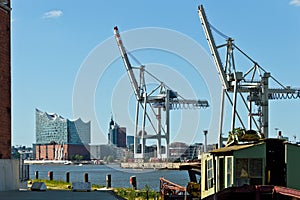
x=153 y=165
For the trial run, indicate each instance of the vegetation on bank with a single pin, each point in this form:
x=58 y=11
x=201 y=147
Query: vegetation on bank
x=59 y=185
x=131 y=194
x=126 y=193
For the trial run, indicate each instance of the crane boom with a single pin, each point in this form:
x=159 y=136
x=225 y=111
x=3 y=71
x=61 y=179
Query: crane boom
x=212 y=47
x=127 y=64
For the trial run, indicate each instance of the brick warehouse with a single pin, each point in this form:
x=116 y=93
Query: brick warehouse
x=9 y=173
x=61 y=151
x=5 y=81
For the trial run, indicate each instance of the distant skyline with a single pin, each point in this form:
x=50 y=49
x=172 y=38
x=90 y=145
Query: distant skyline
x=53 y=42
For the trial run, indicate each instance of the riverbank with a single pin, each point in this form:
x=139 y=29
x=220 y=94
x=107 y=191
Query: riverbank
x=58 y=162
x=120 y=177
x=144 y=165
x=119 y=193
x=151 y=165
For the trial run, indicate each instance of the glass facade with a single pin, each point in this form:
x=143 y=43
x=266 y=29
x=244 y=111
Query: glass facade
x=52 y=128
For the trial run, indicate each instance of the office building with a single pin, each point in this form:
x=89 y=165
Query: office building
x=116 y=134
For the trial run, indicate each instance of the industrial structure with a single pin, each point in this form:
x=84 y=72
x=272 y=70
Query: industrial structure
x=252 y=86
x=256 y=168
x=58 y=138
x=150 y=105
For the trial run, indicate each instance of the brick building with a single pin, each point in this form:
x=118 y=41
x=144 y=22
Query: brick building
x=61 y=151
x=9 y=173
x=5 y=81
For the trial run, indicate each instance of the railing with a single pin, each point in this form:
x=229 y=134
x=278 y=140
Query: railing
x=167 y=188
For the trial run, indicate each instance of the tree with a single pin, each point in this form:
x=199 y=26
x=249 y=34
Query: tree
x=77 y=157
x=110 y=158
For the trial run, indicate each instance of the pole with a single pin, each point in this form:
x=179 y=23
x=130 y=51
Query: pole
x=36 y=174
x=167 y=105
x=265 y=105
x=133 y=182
x=108 y=180
x=205 y=140
x=67 y=177
x=234 y=104
x=50 y=175
x=135 y=144
x=159 y=132
x=86 y=177
x=144 y=125
x=221 y=119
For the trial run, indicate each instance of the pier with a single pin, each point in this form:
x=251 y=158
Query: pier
x=151 y=165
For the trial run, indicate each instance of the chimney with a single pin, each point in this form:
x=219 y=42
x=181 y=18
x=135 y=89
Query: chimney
x=205 y=140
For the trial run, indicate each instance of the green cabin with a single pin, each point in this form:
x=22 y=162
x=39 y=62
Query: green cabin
x=267 y=162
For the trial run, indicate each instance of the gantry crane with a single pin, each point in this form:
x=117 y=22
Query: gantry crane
x=161 y=98
x=254 y=83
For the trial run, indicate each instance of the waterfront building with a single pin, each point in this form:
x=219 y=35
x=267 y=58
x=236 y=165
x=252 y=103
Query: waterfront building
x=184 y=152
x=177 y=150
x=116 y=134
x=58 y=138
x=22 y=152
x=129 y=141
x=100 y=152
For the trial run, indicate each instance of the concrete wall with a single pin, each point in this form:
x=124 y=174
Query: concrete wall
x=9 y=174
x=142 y=165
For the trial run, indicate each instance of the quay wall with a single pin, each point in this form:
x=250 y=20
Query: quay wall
x=149 y=165
x=9 y=174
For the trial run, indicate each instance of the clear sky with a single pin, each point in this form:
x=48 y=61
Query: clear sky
x=53 y=41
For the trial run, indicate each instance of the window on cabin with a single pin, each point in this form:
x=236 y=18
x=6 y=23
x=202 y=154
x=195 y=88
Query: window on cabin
x=248 y=171
x=209 y=174
x=229 y=172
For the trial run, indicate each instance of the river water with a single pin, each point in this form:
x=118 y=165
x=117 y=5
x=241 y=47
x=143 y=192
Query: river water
x=119 y=177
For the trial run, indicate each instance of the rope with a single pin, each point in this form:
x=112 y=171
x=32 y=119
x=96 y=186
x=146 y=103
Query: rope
x=134 y=58
x=218 y=32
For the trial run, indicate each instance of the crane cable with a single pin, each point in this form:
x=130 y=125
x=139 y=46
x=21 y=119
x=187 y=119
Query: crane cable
x=218 y=32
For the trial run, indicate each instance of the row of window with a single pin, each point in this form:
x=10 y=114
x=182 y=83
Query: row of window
x=247 y=171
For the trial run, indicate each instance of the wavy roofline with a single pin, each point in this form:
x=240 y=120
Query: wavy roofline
x=54 y=116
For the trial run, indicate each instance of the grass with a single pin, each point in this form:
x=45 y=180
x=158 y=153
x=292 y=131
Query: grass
x=59 y=185
x=131 y=194
x=126 y=193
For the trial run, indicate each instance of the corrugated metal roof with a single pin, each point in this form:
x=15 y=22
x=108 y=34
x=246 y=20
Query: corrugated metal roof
x=233 y=148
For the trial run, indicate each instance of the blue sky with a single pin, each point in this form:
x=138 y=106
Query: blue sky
x=52 y=39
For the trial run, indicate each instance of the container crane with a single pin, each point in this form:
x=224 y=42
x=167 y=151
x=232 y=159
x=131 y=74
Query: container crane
x=161 y=98
x=254 y=83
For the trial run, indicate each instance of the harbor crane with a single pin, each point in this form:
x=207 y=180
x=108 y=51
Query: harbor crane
x=149 y=105
x=252 y=86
